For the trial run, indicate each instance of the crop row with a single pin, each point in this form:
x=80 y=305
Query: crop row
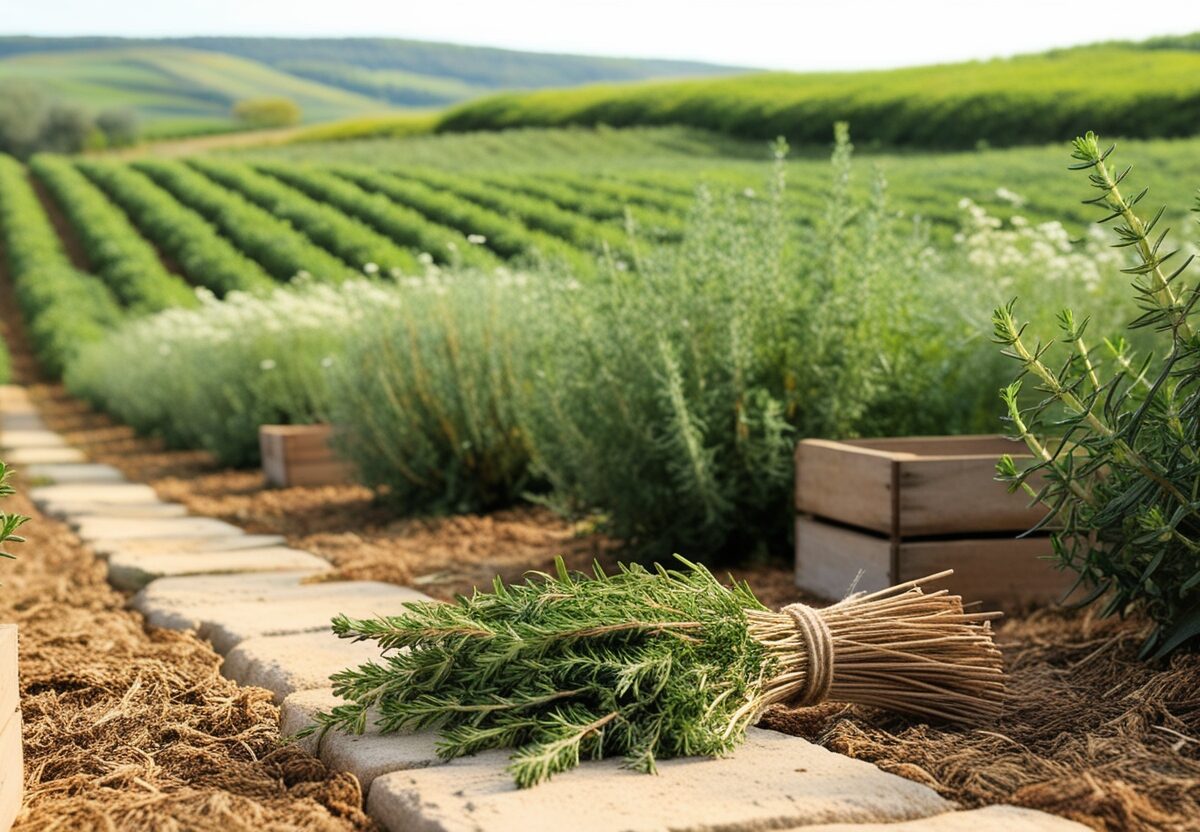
x=204 y=255
x=399 y=222
x=63 y=307
x=280 y=249
x=345 y=237
x=508 y=237
x=116 y=251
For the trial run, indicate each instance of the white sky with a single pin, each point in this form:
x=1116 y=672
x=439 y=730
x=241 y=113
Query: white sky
x=801 y=34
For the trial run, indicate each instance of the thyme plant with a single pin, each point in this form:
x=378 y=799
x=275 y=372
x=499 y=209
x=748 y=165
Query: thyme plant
x=1114 y=438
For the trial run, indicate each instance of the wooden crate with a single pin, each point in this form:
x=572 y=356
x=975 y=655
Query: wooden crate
x=301 y=455
x=12 y=776
x=897 y=509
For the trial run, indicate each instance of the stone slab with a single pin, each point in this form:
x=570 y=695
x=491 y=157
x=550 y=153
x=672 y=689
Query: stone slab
x=15 y=399
x=11 y=440
x=182 y=545
x=93 y=494
x=987 y=819
x=299 y=661
x=367 y=756
x=28 y=420
x=95 y=529
x=12 y=769
x=72 y=473
x=132 y=572
x=43 y=456
x=228 y=609
x=772 y=781
x=76 y=513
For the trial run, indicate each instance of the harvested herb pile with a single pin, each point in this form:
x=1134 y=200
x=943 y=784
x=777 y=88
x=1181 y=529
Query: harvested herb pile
x=647 y=665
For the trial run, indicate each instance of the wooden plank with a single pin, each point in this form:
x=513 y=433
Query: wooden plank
x=959 y=495
x=990 y=444
x=1003 y=573
x=301 y=455
x=846 y=483
x=829 y=559
x=12 y=774
x=9 y=696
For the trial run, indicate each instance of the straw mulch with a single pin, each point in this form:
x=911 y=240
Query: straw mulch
x=1089 y=732
x=133 y=730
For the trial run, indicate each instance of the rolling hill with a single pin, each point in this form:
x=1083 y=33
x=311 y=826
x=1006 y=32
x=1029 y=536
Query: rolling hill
x=178 y=83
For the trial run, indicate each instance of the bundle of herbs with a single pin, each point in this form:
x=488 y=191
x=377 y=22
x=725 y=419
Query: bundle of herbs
x=1115 y=440
x=653 y=664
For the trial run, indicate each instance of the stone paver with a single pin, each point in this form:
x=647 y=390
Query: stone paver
x=300 y=661
x=134 y=571
x=43 y=456
x=181 y=545
x=95 y=529
x=11 y=440
x=228 y=609
x=772 y=781
x=67 y=473
x=93 y=494
x=76 y=513
x=367 y=756
x=28 y=420
x=988 y=819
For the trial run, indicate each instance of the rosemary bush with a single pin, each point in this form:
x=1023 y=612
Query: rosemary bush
x=9 y=523
x=1115 y=438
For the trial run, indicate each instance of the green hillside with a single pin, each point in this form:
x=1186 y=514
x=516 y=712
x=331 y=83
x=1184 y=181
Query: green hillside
x=1128 y=90
x=175 y=86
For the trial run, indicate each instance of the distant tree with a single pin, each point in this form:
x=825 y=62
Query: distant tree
x=22 y=110
x=120 y=127
x=267 y=112
x=66 y=129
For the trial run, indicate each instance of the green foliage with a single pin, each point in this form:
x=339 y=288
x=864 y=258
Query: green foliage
x=424 y=395
x=399 y=222
x=116 y=251
x=9 y=523
x=267 y=112
x=209 y=377
x=1033 y=98
x=326 y=225
x=206 y=257
x=119 y=126
x=641 y=665
x=1114 y=438
x=373 y=127
x=281 y=250
x=63 y=308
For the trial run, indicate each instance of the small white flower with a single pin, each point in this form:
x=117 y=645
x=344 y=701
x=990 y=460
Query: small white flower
x=327 y=362
x=749 y=193
x=425 y=258
x=267 y=364
x=476 y=239
x=371 y=268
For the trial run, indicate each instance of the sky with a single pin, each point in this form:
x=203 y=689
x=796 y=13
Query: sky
x=800 y=34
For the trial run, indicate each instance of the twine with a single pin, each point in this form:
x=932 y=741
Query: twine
x=819 y=643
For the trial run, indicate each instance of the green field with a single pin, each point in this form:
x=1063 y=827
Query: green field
x=1114 y=89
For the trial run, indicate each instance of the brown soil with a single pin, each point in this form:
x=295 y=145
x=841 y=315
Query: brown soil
x=66 y=232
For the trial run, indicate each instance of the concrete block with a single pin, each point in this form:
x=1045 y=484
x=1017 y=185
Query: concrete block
x=95 y=529
x=772 y=781
x=988 y=819
x=228 y=609
x=73 y=473
x=132 y=572
x=11 y=440
x=367 y=756
x=43 y=456
x=300 y=661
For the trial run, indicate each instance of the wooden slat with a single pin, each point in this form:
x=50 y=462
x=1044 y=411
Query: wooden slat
x=1000 y=572
x=301 y=455
x=845 y=483
x=829 y=559
x=959 y=495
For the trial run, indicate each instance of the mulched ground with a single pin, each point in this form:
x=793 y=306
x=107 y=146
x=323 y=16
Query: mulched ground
x=1090 y=732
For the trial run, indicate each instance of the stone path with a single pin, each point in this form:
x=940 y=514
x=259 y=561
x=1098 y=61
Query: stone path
x=264 y=607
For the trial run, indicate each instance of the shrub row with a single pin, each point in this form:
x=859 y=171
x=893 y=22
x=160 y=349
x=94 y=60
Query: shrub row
x=115 y=249
x=504 y=235
x=204 y=255
x=535 y=213
x=628 y=192
x=344 y=236
x=401 y=223
x=1023 y=100
x=281 y=250
x=63 y=308
x=657 y=224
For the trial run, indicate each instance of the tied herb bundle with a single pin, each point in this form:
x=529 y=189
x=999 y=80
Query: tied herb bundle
x=654 y=664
